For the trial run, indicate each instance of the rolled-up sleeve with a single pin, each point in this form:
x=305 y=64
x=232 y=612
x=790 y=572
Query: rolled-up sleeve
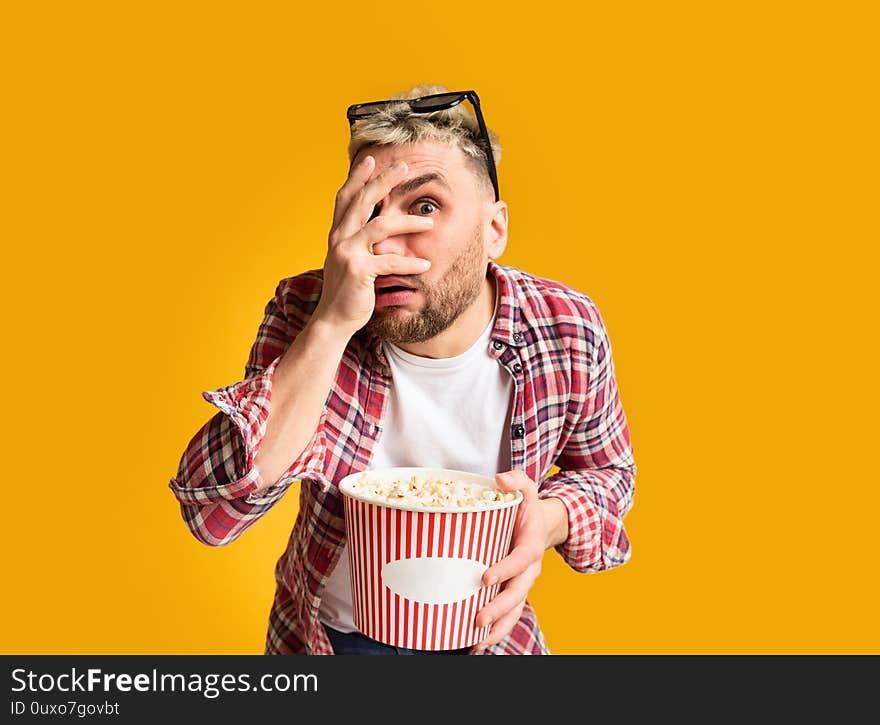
x=220 y=490
x=596 y=480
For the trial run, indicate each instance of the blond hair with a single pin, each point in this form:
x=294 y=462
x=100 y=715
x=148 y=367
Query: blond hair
x=396 y=124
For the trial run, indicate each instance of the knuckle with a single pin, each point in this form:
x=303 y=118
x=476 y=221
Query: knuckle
x=378 y=225
x=349 y=264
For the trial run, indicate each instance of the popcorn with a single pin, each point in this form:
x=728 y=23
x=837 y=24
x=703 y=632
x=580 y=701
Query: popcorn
x=430 y=493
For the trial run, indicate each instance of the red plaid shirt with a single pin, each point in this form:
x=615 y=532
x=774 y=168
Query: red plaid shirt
x=566 y=412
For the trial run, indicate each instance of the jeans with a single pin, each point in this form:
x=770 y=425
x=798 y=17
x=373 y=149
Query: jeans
x=356 y=643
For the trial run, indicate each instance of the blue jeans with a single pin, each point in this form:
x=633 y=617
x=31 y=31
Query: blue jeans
x=356 y=643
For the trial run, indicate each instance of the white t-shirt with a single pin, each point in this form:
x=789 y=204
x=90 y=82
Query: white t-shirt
x=442 y=413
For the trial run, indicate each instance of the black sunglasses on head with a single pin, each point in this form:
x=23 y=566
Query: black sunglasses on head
x=429 y=104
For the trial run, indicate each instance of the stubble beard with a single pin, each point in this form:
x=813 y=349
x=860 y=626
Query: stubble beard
x=445 y=300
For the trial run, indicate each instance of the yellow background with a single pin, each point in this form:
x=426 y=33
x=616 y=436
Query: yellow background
x=706 y=172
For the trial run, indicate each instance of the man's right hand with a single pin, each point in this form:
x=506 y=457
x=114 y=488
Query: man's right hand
x=348 y=297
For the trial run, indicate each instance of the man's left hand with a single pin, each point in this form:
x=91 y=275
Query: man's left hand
x=537 y=525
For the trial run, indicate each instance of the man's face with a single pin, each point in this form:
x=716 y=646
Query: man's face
x=455 y=245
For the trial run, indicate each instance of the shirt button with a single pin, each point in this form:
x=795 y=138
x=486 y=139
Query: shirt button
x=519 y=431
x=517 y=368
x=517 y=337
x=497 y=344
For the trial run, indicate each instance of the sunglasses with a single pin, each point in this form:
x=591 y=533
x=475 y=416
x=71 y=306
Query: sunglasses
x=430 y=104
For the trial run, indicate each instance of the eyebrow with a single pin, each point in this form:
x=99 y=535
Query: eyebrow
x=412 y=184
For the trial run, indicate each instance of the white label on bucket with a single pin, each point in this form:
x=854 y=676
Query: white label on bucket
x=434 y=580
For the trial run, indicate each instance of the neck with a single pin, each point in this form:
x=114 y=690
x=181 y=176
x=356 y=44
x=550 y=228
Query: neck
x=463 y=333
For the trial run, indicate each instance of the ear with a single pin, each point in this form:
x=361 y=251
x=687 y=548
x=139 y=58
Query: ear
x=496 y=232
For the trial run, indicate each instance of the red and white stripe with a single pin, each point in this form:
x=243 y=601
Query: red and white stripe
x=379 y=535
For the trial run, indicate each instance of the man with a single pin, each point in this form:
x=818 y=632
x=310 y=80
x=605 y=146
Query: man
x=413 y=347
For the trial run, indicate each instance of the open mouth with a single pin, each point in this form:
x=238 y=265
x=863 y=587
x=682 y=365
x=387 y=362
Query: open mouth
x=390 y=283
x=393 y=291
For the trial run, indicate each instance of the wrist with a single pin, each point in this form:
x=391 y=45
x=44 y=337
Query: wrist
x=319 y=347
x=555 y=515
x=329 y=332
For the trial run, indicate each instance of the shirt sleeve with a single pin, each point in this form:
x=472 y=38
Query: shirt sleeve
x=596 y=480
x=216 y=482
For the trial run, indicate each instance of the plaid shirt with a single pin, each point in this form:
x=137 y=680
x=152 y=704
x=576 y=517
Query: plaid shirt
x=567 y=412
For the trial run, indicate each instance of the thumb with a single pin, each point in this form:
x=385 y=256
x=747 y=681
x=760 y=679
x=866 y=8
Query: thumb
x=514 y=481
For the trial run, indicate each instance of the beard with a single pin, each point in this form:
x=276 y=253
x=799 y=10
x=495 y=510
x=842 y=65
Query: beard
x=445 y=300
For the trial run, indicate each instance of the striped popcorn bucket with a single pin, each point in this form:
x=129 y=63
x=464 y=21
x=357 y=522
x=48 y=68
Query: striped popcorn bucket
x=416 y=571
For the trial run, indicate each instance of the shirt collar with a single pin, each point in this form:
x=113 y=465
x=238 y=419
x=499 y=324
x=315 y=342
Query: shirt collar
x=509 y=327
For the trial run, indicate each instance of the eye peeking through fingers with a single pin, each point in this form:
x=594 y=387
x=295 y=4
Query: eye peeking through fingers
x=424 y=204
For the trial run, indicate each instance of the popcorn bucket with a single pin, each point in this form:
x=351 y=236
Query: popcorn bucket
x=416 y=570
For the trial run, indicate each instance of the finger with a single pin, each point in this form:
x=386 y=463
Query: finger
x=499 y=606
x=358 y=176
x=398 y=264
x=515 y=563
x=517 y=480
x=502 y=627
x=506 y=600
x=367 y=196
x=383 y=227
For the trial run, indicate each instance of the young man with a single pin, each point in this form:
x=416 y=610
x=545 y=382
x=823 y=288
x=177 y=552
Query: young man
x=413 y=347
